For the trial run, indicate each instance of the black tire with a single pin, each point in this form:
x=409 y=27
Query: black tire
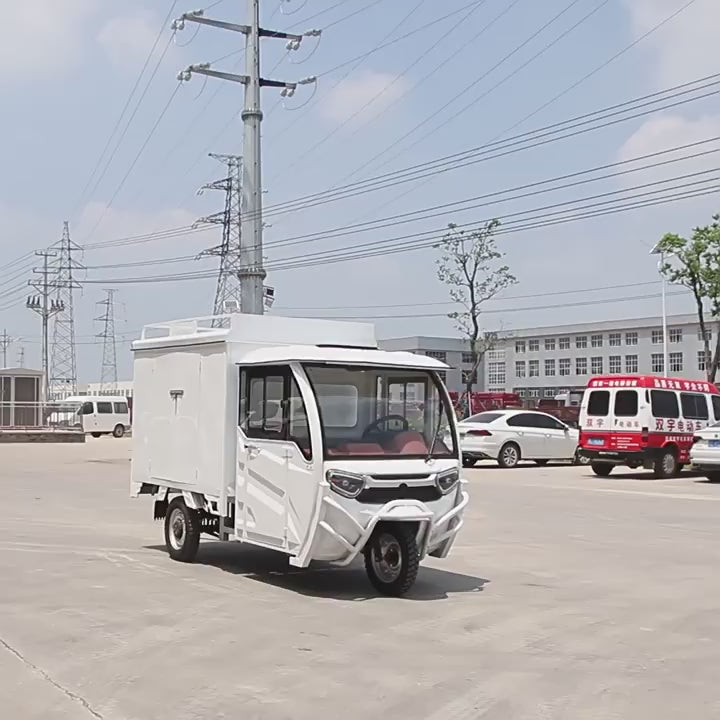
x=601 y=469
x=541 y=463
x=182 y=531
x=468 y=462
x=666 y=465
x=509 y=455
x=581 y=459
x=713 y=477
x=96 y=435
x=118 y=431
x=391 y=558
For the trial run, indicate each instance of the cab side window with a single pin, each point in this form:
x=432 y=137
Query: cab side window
x=716 y=407
x=87 y=409
x=272 y=408
x=694 y=406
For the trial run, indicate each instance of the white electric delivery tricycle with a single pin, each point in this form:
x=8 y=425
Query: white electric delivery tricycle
x=300 y=436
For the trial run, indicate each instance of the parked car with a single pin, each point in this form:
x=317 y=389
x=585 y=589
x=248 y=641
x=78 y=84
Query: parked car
x=509 y=436
x=705 y=452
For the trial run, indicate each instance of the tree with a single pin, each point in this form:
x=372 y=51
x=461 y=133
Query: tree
x=471 y=266
x=695 y=264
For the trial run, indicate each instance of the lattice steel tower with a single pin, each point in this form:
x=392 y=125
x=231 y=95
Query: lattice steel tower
x=63 y=362
x=108 y=370
x=227 y=292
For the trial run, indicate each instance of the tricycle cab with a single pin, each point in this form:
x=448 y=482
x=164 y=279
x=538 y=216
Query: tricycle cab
x=331 y=450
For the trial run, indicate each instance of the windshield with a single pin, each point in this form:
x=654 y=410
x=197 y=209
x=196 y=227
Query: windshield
x=381 y=412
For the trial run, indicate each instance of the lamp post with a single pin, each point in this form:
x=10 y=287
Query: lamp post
x=657 y=251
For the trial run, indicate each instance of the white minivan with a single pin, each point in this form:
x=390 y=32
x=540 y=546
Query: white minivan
x=96 y=415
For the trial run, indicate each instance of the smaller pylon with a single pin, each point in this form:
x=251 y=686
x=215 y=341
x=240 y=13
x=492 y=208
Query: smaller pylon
x=21 y=357
x=5 y=343
x=108 y=369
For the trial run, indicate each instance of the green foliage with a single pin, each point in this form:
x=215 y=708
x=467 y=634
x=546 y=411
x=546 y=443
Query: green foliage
x=695 y=264
x=472 y=268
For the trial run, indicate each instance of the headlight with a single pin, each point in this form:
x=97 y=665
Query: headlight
x=447 y=480
x=345 y=484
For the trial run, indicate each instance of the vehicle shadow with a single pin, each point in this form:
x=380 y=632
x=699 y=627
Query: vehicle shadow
x=323 y=580
x=523 y=465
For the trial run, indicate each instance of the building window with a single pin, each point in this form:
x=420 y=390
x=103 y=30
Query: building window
x=596 y=365
x=549 y=344
x=615 y=364
x=631 y=338
x=564 y=366
x=496 y=355
x=564 y=343
x=631 y=364
x=442 y=375
x=708 y=334
x=702 y=365
x=675 y=335
x=440 y=355
x=549 y=368
x=534 y=368
x=614 y=339
x=581 y=341
x=520 y=368
x=534 y=393
x=519 y=347
x=467 y=358
x=675 y=361
x=596 y=341
x=520 y=393
x=657 y=337
x=496 y=373
x=549 y=392
x=657 y=365
x=581 y=366
x=533 y=345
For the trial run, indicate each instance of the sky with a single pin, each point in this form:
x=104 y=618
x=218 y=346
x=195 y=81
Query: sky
x=489 y=71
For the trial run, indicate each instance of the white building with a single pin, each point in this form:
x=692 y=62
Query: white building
x=123 y=387
x=544 y=361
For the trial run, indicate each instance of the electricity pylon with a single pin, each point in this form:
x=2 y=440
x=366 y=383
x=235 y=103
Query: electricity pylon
x=108 y=369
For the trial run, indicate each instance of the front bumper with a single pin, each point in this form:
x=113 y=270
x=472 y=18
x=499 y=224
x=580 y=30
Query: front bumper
x=340 y=536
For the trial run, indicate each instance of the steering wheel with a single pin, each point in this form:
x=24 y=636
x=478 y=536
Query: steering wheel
x=374 y=426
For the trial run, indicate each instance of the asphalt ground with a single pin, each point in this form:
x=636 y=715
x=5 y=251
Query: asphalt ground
x=566 y=597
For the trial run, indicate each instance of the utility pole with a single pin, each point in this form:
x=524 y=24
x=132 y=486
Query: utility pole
x=63 y=365
x=227 y=292
x=21 y=357
x=251 y=273
x=5 y=343
x=45 y=307
x=108 y=370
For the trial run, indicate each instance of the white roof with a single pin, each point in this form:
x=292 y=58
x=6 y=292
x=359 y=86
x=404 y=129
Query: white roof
x=337 y=356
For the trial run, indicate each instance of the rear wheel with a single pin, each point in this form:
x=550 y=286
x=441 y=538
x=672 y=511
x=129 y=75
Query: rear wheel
x=182 y=531
x=509 y=455
x=666 y=466
x=391 y=558
x=96 y=434
x=118 y=431
x=581 y=459
x=469 y=462
x=713 y=476
x=541 y=462
x=601 y=469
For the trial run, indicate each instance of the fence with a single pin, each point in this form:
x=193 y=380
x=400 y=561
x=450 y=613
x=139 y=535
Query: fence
x=38 y=416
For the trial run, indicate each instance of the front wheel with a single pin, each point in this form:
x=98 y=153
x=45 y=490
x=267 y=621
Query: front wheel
x=713 y=476
x=469 y=462
x=391 y=558
x=666 y=466
x=182 y=531
x=96 y=434
x=541 y=463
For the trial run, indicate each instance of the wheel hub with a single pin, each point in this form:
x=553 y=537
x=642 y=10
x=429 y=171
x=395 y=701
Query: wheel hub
x=177 y=528
x=387 y=558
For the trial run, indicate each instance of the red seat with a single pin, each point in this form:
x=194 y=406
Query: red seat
x=409 y=442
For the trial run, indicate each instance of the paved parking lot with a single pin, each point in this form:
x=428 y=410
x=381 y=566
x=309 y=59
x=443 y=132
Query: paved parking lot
x=567 y=597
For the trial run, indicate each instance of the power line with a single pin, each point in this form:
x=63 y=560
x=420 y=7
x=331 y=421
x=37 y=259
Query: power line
x=490 y=151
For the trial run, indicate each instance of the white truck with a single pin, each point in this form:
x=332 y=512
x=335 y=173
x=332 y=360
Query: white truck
x=279 y=432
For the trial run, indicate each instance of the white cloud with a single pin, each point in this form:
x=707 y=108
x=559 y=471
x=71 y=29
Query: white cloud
x=127 y=39
x=685 y=47
x=368 y=94
x=41 y=36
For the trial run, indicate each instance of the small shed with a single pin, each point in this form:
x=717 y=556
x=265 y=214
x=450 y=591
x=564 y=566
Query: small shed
x=22 y=398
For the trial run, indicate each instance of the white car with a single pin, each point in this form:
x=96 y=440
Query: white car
x=705 y=452
x=509 y=436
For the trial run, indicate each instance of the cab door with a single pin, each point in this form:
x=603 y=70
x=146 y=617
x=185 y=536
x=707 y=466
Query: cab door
x=276 y=487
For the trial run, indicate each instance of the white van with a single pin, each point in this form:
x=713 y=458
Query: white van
x=96 y=415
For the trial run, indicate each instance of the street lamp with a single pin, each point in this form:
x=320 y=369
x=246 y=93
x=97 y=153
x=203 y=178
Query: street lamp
x=656 y=250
